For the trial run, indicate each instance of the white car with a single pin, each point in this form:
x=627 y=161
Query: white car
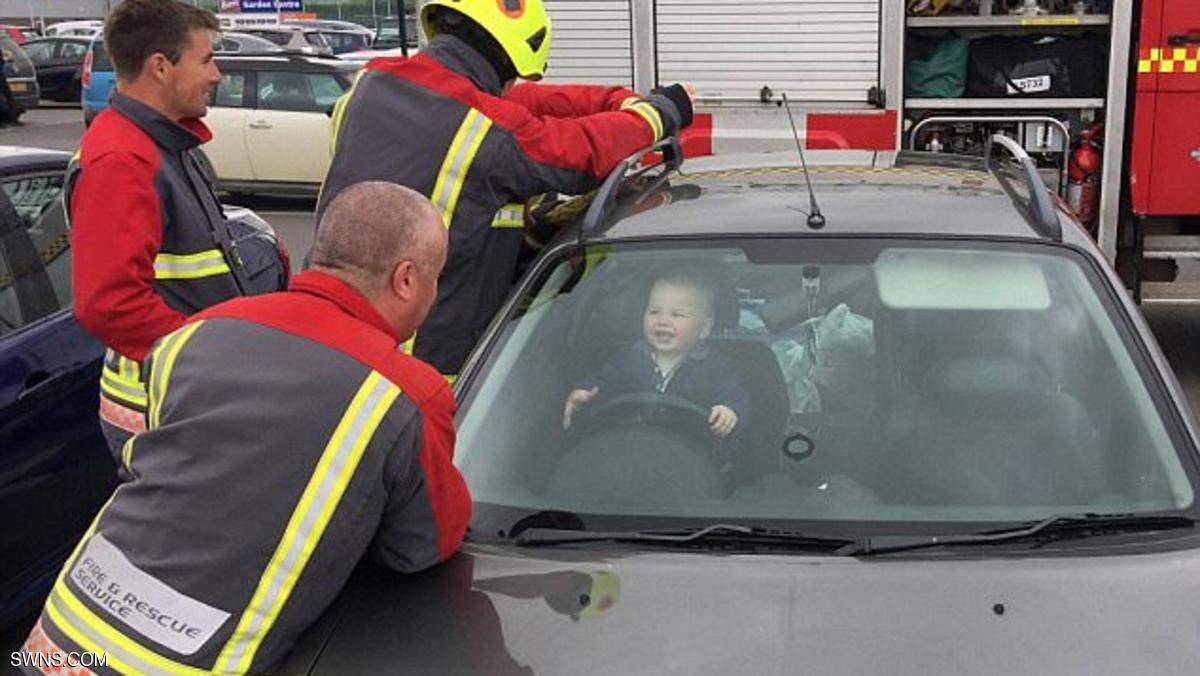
x=270 y=118
x=87 y=29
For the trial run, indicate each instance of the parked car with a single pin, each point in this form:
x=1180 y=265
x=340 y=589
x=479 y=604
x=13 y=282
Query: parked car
x=20 y=73
x=59 y=63
x=270 y=121
x=55 y=470
x=245 y=43
x=295 y=39
x=87 y=29
x=342 y=36
x=388 y=35
x=962 y=450
x=97 y=81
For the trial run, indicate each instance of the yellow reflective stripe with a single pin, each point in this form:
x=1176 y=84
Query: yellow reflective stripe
x=339 y=112
x=309 y=520
x=164 y=360
x=451 y=378
x=127 y=453
x=95 y=635
x=123 y=389
x=510 y=216
x=190 y=266
x=648 y=113
x=453 y=174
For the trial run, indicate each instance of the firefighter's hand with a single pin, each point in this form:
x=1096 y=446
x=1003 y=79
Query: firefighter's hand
x=722 y=420
x=576 y=399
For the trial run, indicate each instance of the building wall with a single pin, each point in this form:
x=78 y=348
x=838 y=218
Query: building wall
x=20 y=11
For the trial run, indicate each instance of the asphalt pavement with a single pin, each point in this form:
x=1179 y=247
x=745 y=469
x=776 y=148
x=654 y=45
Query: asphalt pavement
x=59 y=127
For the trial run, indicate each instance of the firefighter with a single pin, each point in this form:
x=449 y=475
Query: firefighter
x=450 y=124
x=149 y=240
x=288 y=436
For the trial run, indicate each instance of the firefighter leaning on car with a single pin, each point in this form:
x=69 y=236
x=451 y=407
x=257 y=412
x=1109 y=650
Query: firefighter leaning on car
x=149 y=240
x=288 y=437
x=450 y=124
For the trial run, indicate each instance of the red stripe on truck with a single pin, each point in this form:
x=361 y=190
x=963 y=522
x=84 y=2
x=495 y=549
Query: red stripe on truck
x=851 y=131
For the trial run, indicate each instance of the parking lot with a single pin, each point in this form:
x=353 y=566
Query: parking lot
x=60 y=127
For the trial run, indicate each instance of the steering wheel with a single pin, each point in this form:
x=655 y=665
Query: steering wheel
x=645 y=409
x=638 y=447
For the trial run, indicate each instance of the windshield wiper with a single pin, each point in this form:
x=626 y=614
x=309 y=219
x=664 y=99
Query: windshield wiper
x=1055 y=527
x=721 y=534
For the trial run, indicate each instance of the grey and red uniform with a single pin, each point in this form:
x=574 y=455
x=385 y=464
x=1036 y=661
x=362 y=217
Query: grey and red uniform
x=288 y=436
x=144 y=258
x=439 y=124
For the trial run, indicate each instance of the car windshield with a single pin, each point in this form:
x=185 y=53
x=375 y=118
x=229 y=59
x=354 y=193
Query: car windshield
x=873 y=381
x=16 y=62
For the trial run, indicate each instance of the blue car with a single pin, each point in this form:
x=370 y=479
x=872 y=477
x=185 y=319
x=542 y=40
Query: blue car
x=98 y=80
x=55 y=470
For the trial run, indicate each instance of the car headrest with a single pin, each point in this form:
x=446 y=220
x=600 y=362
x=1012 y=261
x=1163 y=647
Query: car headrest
x=988 y=389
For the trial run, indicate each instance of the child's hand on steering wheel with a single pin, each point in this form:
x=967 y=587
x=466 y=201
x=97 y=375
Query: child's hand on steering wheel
x=722 y=420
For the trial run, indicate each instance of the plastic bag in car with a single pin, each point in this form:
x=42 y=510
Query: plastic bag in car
x=827 y=355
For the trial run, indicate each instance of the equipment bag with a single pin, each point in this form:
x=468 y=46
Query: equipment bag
x=936 y=68
x=1048 y=66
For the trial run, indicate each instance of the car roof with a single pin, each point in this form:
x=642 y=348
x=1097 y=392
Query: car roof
x=24 y=158
x=287 y=62
x=766 y=194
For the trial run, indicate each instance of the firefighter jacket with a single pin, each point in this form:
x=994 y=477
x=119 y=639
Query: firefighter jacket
x=438 y=124
x=288 y=436
x=144 y=223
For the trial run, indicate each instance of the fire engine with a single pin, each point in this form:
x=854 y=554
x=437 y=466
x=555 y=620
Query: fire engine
x=1112 y=123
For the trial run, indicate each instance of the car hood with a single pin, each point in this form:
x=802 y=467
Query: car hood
x=504 y=610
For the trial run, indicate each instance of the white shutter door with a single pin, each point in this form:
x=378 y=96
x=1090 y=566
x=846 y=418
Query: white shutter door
x=814 y=50
x=591 y=42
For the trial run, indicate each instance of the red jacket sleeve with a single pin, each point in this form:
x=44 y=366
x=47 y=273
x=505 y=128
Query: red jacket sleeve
x=116 y=231
x=568 y=100
x=448 y=493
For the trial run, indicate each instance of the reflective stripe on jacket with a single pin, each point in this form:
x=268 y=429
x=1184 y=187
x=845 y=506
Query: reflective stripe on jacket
x=287 y=437
x=438 y=124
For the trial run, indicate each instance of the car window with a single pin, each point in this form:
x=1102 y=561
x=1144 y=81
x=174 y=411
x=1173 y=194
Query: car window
x=100 y=60
x=231 y=91
x=16 y=62
x=71 y=50
x=299 y=92
x=872 y=381
x=39 y=52
x=281 y=38
x=35 y=278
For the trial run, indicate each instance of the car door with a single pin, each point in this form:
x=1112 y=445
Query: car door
x=228 y=114
x=55 y=469
x=70 y=55
x=42 y=54
x=288 y=134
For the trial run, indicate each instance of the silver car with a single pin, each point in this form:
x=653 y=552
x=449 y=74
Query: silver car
x=958 y=448
x=294 y=39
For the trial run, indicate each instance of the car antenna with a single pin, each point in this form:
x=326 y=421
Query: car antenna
x=815 y=220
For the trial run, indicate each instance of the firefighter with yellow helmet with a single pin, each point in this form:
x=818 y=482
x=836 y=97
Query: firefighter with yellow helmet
x=452 y=124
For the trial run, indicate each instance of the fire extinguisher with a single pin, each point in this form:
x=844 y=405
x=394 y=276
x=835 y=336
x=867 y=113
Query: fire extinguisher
x=1083 y=175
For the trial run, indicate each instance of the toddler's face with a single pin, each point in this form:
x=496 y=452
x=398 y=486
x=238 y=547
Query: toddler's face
x=675 y=318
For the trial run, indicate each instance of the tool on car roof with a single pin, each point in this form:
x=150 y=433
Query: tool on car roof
x=815 y=220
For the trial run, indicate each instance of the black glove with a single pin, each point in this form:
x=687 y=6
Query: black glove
x=683 y=103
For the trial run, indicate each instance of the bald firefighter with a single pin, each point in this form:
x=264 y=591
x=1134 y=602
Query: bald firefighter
x=287 y=437
x=450 y=124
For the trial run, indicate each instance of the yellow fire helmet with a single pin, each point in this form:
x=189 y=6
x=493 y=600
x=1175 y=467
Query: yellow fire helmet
x=522 y=28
